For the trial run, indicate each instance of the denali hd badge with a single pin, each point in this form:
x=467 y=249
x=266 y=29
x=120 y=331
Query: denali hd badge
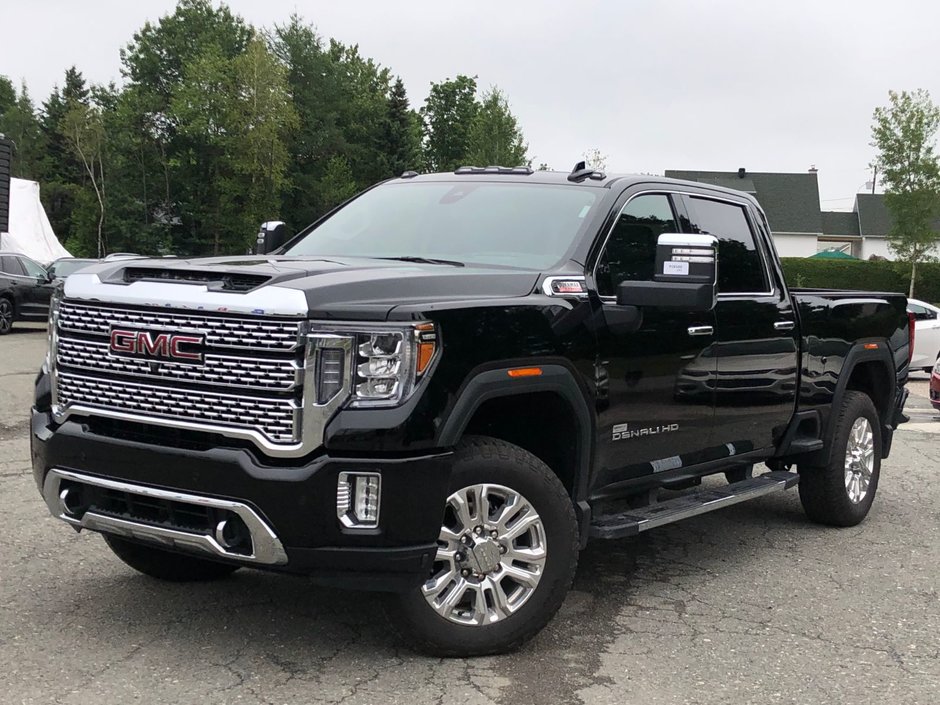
x=154 y=346
x=623 y=432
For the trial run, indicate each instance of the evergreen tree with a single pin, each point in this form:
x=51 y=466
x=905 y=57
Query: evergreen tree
x=18 y=121
x=402 y=132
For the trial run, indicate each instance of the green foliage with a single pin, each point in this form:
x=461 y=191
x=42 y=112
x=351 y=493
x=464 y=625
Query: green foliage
x=218 y=127
x=904 y=132
x=19 y=123
x=448 y=115
x=7 y=94
x=495 y=137
x=882 y=275
x=338 y=183
x=402 y=132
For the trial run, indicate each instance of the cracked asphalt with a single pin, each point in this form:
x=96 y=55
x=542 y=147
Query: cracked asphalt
x=752 y=604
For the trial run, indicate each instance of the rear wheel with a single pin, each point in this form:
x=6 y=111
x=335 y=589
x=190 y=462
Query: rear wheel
x=507 y=553
x=166 y=565
x=6 y=315
x=841 y=492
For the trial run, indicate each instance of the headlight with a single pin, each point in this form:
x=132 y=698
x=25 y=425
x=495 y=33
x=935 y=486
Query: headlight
x=936 y=367
x=390 y=362
x=375 y=367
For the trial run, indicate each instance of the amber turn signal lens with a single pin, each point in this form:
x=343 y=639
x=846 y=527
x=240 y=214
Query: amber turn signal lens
x=525 y=372
x=425 y=355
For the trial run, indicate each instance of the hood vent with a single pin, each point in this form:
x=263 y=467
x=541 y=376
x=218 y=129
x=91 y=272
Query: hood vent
x=221 y=280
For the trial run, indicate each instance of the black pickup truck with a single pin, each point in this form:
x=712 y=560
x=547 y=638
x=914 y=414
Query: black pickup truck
x=445 y=387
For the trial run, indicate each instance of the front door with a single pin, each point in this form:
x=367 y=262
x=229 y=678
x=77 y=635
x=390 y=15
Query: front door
x=756 y=347
x=655 y=389
x=38 y=288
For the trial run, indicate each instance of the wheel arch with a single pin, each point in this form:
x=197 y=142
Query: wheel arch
x=869 y=370
x=554 y=402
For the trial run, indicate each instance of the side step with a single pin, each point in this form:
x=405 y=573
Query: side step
x=633 y=521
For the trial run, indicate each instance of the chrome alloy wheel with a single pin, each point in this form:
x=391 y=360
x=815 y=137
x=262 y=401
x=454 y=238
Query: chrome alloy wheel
x=859 y=459
x=490 y=557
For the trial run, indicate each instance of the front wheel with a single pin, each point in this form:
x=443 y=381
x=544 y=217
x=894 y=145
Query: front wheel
x=841 y=492
x=507 y=553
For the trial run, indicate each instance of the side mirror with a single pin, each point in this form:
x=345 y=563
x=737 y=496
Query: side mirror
x=685 y=278
x=271 y=236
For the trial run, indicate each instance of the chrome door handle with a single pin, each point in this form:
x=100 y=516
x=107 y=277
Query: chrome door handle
x=701 y=330
x=784 y=325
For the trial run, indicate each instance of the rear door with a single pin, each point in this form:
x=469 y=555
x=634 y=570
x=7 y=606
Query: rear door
x=655 y=400
x=13 y=281
x=756 y=345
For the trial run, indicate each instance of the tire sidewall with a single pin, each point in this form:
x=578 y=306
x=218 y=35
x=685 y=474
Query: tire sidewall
x=480 y=463
x=824 y=487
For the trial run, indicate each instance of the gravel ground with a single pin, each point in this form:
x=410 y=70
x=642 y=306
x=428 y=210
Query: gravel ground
x=752 y=604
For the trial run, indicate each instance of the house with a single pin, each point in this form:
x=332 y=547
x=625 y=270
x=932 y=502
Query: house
x=798 y=225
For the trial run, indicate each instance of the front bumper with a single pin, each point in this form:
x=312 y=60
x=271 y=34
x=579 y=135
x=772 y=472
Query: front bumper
x=295 y=501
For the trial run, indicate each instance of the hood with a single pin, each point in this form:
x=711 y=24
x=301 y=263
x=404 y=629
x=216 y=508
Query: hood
x=338 y=288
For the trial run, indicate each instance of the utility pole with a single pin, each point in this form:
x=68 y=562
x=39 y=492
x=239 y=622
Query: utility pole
x=874 y=179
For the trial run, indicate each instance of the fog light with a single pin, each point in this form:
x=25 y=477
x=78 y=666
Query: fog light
x=358 y=496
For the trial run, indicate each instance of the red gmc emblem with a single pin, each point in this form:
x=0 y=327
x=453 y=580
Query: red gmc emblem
x=157 y=346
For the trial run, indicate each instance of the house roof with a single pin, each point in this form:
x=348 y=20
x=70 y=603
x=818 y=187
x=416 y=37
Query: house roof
x=873 y=216
x=791 y=201
x=840 y=223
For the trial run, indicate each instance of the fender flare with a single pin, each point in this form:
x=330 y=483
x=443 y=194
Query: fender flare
x=857 y=354
x=496 y=383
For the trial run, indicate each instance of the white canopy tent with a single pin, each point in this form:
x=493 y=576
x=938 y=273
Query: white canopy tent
x=30 y=232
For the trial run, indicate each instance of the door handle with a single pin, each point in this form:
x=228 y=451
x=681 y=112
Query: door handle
x=701 y=330
x=784 y=325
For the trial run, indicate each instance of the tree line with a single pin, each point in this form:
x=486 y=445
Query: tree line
x=219 y=126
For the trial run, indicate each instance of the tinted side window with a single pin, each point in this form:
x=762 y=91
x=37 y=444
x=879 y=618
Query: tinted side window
x=11 y=265
x=630 y=253
x=921 y=313
x=33 y=269
x=739 y=263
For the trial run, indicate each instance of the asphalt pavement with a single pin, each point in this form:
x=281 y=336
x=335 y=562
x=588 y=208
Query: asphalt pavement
x=752 y=604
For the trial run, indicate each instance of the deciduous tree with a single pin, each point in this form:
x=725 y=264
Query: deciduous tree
x=904 y=133
x=448 y=115
x=495 y=136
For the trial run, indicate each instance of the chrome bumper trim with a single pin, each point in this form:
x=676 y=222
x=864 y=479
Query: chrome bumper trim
x=266 y=547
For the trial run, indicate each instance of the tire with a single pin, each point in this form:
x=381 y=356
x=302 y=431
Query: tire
x=836 y=494
x=7 y=314
x=512 y=611
x=166 y=565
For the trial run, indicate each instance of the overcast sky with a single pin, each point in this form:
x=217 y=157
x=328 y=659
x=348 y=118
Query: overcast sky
x=716 y=84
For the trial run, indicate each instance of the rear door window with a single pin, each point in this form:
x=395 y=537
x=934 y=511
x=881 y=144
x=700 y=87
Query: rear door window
x=11 y=265
x=740 y=266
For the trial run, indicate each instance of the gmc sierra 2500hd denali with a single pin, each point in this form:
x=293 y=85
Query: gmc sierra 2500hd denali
x=446 y=386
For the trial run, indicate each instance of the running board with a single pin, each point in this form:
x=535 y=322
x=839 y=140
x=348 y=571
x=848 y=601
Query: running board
x=633 y=521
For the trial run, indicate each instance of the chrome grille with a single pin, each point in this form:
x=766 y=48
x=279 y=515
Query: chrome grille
x=218 y=370
x=275 y=418
x=220 y=331
x=251 y=379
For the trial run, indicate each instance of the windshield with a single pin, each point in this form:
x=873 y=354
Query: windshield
x=498 y=223
x=66 y=267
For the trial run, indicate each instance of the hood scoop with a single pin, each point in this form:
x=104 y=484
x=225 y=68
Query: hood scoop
x=224 y=281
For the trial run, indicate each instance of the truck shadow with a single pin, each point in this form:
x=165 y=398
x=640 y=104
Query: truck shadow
x=285 y=629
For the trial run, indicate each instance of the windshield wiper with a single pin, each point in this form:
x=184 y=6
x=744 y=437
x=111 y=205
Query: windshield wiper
x=426 y=260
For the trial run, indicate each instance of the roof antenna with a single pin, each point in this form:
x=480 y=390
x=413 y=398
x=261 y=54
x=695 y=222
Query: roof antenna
x=580 y=166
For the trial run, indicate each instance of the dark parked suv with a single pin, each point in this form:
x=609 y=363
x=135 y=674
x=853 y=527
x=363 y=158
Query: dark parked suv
x=25 y=289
